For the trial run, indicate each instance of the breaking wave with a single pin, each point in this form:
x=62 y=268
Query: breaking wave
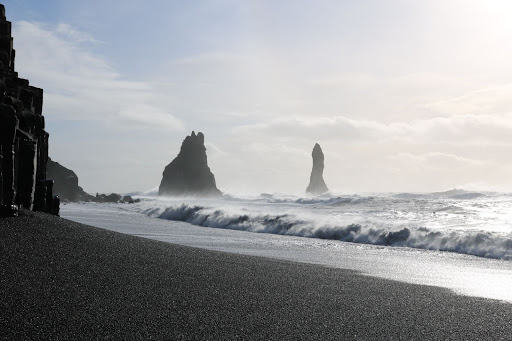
x=478 y=243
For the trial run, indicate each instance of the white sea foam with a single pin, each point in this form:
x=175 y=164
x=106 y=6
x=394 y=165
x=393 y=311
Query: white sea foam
x=468 y=223
x=475 y=276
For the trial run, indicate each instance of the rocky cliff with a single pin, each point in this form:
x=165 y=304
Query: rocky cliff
x=188 y=174
x=66 y=183
x=23 y=140
x=316 y=182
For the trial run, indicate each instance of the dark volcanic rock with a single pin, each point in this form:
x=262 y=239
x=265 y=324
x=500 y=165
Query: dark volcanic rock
x=113 y=197
x=66 y=183
x=316 y=183
x=23 y=140
x=128 y=199
x=189 y=174
x=27 y=167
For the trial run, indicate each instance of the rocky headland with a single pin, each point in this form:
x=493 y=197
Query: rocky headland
x=188 y=174
x=66 y=183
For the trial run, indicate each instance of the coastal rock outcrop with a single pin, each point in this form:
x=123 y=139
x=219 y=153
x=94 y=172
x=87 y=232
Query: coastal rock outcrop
x=188 y=174
x=66 y=183
x=23 y=139
x=128 y=199
x=112 y=197
x=316 y=182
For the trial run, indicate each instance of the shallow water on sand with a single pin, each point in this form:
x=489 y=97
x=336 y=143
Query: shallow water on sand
x=462 y=273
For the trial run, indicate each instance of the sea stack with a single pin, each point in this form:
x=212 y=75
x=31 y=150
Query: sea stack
x=188 y=174
x=316 y=183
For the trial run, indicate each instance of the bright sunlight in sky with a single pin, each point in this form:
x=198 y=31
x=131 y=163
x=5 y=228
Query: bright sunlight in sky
x=402 y=95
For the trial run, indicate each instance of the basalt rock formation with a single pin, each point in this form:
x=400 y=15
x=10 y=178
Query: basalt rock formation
x=316 y=182
x=66 y=183
x=23 y=140
x=188 y=174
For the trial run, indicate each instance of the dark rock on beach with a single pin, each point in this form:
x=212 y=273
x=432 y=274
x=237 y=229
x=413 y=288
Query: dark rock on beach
x=316 y=183
x=188 y=174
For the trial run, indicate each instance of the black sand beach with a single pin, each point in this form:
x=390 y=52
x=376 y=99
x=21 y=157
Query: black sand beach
x=61 y=280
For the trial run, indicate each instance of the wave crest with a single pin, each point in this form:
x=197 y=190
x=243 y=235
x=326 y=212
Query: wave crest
x=483 y=244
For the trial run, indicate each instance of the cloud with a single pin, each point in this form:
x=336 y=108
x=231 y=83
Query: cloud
x=454 y=130
x=79 y=84
x=434 y=161
x=68 y=32
x=492 y=100
x=143 y=116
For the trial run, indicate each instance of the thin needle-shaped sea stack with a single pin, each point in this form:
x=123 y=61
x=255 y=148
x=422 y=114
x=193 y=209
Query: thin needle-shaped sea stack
x=316 y=182
x=188 y=174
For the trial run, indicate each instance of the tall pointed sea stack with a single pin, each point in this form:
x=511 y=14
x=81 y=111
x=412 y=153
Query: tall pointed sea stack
x=316 y=182
x=188 y=174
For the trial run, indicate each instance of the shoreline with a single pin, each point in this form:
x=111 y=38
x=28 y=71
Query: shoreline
x=61 y=279
x=464 y=274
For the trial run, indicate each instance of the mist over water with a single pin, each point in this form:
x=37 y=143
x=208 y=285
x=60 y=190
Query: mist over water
x=472 y=223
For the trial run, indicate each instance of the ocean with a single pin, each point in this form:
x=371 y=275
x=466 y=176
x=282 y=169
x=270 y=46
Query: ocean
x=457 y=239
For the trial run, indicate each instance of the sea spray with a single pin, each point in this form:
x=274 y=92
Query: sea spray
x=431 y=222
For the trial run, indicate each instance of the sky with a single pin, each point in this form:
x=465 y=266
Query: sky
x=402 y=95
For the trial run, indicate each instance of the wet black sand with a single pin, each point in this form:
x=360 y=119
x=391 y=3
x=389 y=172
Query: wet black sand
x=61 y=280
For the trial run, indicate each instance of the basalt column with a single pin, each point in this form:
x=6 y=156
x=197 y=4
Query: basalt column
x=8 y=130
x=23 y=139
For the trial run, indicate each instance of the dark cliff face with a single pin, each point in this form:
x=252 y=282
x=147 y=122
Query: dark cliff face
x=65 y=183
x=316 y=182
x=23 y=139
x=188 y=174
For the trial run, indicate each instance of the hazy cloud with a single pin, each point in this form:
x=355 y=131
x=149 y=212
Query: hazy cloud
x=80 y=85
x=456 y=129
x=493 y=100
x=434 y=161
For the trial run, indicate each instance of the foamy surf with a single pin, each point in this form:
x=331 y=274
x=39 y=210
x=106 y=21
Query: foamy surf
x=468 y=275
x=473 y=224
